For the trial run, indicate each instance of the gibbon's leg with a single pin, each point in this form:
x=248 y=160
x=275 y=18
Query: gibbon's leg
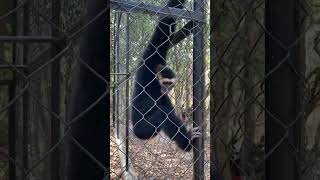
x=145 y=128
x=172 y=126
x=164 y=118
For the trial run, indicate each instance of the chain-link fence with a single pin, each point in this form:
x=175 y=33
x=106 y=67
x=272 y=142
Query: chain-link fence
x=252 y=88
x=264 y=89
x=39 y=53
x=132 y=25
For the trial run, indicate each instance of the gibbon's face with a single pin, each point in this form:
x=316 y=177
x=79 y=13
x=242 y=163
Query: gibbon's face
x=166 y=84
x=167 y=79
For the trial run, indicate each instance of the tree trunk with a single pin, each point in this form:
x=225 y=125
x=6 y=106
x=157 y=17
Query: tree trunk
x=219 y=126
x=252 y=34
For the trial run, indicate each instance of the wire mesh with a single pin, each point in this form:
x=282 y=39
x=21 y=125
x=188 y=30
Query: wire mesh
x=26 y=62
x=239 y=92
x=157 y=157
x=234 y=119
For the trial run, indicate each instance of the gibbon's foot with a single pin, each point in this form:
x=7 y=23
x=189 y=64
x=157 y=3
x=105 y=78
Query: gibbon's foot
x=195 y=133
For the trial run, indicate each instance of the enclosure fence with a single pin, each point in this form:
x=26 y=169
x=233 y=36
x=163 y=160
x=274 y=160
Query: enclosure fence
x=157 y=157
x=248 y=76
x=39 y=44
x=262 y=71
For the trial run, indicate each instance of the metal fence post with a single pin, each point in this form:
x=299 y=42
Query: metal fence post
x=283 y=90
x=55 y=96
x=198 y=92
x=127 y=90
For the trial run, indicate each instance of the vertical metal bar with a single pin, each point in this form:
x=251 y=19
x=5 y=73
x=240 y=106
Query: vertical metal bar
x=13 y=116
x=19 y=83
x=12 y=134
x=117 y=70
x=114 y=76
x=106 y=139
x=127 y=90
x=283 y=90
x=26 y=99
x=55 y=96
x=198 y=93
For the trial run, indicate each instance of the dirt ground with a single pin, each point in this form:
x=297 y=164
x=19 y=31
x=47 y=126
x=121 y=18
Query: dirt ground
x=158 y=158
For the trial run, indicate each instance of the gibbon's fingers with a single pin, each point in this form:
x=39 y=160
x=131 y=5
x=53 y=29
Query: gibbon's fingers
x=195 y=136
x=195 y=133
x=195 y=129
x=198 y=134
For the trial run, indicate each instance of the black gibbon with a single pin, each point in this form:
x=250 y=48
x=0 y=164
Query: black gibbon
x=152 y=110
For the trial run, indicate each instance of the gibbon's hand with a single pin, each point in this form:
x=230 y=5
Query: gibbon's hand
x=195 y=133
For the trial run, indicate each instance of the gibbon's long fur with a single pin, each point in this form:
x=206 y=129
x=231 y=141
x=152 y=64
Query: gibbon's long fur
x=152 y=110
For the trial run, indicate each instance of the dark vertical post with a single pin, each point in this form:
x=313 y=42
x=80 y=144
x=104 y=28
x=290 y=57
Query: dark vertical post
x=114 y=76
x=11 y=92
x=55 y=93
x=91 y=130
x=106 y=151
x=283 y=90
x=12 y=134
x=127 y=90
x=19 y=84
x=198 y=93
x=117 y=70
x=26 y=97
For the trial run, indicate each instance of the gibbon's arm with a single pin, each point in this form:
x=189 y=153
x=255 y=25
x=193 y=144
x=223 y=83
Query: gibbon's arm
x=174 y=127
x=158 y=46
x=184 y=32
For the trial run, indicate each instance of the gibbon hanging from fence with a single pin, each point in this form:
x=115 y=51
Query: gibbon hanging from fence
x=152 y=110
